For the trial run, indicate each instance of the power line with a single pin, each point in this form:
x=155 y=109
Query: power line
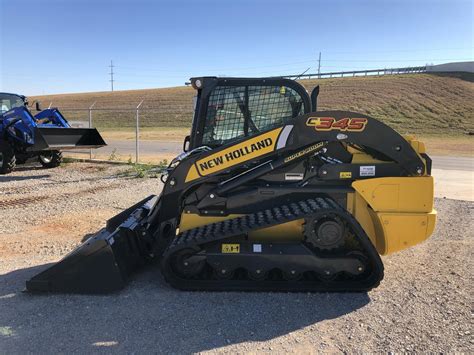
x=170 y=70
x=112 y=75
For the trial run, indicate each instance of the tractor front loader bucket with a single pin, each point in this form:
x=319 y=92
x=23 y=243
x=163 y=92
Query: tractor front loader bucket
x=57 y=138
x=103 y=262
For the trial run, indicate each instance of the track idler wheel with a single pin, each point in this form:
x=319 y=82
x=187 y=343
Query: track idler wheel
x=326 y=233
x=224 y=274
x=186 y=263
x=291 y=275
x=257 y=274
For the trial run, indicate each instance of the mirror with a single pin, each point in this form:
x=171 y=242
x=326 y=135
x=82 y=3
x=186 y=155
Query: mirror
x=38 y=106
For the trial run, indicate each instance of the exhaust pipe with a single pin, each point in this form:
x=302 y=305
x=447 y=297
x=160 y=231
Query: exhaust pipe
x=104 y=262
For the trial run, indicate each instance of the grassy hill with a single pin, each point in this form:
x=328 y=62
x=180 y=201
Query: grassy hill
x=423 y=104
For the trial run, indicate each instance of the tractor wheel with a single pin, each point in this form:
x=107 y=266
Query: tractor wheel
x=51 y=159
x=7 y=160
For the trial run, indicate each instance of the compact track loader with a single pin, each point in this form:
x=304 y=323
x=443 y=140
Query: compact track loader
x=270 y=194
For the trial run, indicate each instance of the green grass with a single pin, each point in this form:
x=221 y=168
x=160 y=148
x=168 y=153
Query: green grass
x=141 y=171
x=422 y=104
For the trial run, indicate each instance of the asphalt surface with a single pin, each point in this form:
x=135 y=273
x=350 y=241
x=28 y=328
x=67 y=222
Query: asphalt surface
x=453 y=163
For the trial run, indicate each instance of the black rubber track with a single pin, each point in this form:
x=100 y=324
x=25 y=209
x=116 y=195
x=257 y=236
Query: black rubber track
x=235 y=227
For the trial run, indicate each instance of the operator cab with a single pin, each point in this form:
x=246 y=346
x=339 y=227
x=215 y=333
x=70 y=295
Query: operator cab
x=230 y=109
x=10 y=101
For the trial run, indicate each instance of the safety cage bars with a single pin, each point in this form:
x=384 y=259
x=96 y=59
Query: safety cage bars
x=233 y=108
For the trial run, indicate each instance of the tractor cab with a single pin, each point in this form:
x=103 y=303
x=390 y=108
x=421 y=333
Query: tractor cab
x=10 y=101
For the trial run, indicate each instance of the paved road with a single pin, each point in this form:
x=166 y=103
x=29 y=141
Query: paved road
x=453 y=163
x=146 y=147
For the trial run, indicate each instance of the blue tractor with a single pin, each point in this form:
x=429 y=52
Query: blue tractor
x=43 y=136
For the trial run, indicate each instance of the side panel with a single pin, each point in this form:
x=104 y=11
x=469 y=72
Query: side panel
x=397 y=194
x=395 y=212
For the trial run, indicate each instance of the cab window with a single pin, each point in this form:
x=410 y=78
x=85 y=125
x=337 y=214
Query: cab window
x=235 y=112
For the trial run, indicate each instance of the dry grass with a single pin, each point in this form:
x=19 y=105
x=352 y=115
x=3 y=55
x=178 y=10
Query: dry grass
x=453 y=146
x=168 y=134
x=422 y=104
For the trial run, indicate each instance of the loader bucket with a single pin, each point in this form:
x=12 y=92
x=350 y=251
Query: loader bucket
x=102 y=263
x=57 y=138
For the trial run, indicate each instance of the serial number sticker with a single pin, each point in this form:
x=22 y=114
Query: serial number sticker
x=345 y=175
x=230 y=248
x=294 y=176
x=367 y=170
x=257 y=248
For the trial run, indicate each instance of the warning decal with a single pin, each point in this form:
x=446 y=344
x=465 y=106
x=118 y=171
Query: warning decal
x=230 y=248
x=367 y=170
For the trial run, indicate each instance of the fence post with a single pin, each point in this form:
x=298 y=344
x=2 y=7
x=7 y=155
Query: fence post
x=137 y=133
x=90 y=124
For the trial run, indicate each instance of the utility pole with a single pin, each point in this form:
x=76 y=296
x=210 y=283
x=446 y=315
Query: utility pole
x=112 y=75
x=319 y=65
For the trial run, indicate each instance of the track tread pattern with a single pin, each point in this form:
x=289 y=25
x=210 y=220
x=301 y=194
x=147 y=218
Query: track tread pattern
x=262 y=219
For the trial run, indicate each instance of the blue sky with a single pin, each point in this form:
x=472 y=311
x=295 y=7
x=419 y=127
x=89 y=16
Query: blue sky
x=53 y=46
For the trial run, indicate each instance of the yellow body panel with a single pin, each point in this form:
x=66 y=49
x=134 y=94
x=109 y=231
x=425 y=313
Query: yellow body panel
x=283 y=232
x=397 y=194
x=395 y=212
x=192 y=220
x=357 y=206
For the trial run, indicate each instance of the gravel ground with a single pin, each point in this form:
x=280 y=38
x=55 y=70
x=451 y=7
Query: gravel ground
x=423 y=304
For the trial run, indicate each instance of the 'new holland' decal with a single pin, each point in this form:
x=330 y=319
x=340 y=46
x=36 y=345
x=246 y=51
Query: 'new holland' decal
x=236 y=154
x=205 y=165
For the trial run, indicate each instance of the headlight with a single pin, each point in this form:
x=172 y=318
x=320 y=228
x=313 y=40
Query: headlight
x=197 y=84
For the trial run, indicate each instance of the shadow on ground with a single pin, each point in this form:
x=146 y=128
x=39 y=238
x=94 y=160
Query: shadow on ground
x=7 y=178
x=149 y=316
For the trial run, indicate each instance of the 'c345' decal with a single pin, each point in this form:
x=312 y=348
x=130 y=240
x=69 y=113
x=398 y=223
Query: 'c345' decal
x=234 y=155
x=343 y=124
